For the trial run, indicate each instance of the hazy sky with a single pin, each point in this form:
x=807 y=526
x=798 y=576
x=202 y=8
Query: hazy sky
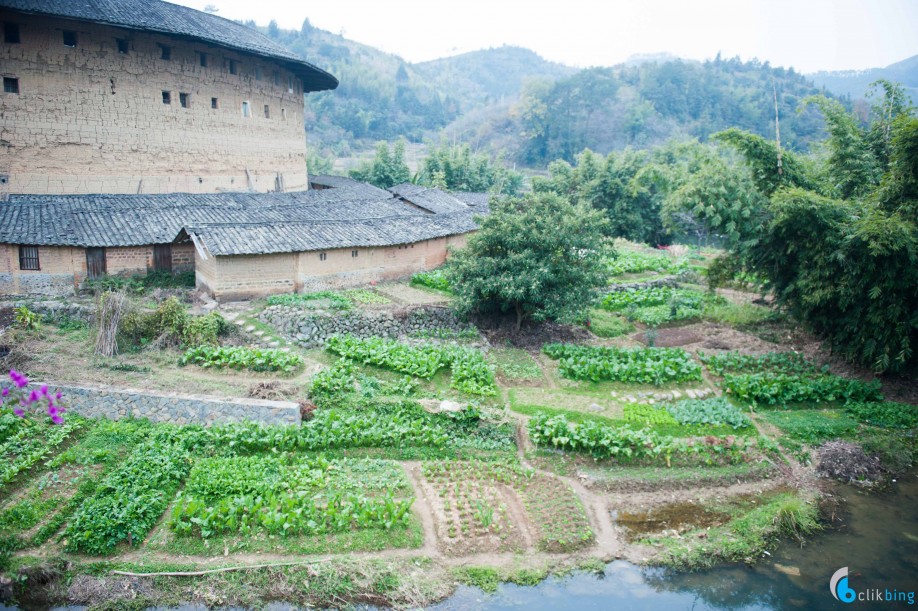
x=809 y=35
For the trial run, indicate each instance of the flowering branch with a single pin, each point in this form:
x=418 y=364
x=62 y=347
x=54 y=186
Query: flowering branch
x=35 y=401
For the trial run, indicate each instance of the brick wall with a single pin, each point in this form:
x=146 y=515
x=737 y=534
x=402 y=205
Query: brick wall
x=92 y=120
x=62 y=268
x=242 y=277
x=182 y=257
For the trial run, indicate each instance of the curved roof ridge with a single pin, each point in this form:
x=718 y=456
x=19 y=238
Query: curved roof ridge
x=181 y=21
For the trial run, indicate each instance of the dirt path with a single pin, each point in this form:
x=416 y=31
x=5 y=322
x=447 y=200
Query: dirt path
x=423 y=508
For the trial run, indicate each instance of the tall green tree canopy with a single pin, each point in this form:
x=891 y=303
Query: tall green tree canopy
x=539 y=258
x=386 y=169
x=457 y=168
x=838 y=243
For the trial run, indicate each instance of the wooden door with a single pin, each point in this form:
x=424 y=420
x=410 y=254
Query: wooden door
x=162 y=258
x=95 y=263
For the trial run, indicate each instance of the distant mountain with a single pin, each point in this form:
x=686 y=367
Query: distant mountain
x=490 y=75
x=642 y=105
x=854 y=83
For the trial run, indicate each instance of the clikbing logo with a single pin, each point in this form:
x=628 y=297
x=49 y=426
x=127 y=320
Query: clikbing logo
x=843 y=592
x=839 y=586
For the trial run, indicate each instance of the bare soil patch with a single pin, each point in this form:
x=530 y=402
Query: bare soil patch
x=668 y=338
x=532 y=336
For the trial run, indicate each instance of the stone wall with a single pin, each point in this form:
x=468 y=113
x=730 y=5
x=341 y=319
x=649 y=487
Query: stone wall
x=91 y=119
x=117 y=403
x=310 y=328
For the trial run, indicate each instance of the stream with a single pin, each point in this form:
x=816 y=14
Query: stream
x=877 y=539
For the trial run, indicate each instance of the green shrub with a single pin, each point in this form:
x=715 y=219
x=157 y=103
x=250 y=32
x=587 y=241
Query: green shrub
x=634 y=262
x=205 y=329
x=717 y=411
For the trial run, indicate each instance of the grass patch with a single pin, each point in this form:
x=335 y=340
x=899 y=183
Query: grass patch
x=608 y=325
x=515 y=364
x=735 y=314
x=484 y=577
x=756 y=524
x=812 y=426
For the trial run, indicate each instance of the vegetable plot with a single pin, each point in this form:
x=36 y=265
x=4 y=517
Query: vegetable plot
x=636 y=365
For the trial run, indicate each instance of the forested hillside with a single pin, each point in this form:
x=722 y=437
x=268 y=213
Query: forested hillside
x=854 y=83
x=532 y=111
x=607 y=109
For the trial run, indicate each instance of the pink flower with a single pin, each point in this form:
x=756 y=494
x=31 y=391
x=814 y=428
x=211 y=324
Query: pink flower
x=33 y=396
x=5 y=392
x=57 y=419
x=19 y=411
x=44 y=390
x=58 y=395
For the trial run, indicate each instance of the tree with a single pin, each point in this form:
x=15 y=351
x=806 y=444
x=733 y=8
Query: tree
x=457 y=168
x=387 y=169
x=843 y=256
x=539 y=258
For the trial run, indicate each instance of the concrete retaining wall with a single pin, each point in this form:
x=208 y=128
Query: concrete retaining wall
x=116 y=403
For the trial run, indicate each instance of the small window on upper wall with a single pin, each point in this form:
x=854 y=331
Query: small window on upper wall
x=184 y=100
x=70 y=38
x=214 y=103
x=28 y=258
x=277 y=79
x=10 y=84
x=257 y=73
x=202 y=58
x=122 y=45
x=167 y=97
x=267 y=112
x=283 y=114
x=11 y=33
x=232 y=66
x=322 y=256
x=165 y=52
x=353 y=253
x=246 y=110
x=290 y=83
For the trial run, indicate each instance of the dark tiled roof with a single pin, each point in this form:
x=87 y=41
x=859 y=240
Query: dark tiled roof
x=433 y=200
x=181 y=21
x=261 y=238
x=330 y=181
x=229 y=223
x=479 y=201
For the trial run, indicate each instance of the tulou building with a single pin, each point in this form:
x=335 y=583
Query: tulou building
x=138 y=135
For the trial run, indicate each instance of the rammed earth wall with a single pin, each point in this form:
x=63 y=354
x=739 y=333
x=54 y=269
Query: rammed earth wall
x=310 y=329
x=117 y=403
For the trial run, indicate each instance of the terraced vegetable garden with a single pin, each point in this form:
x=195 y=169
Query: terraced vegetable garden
x=425 y=451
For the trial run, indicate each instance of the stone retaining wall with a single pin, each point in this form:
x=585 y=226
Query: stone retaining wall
x=310 y=328
x=56 y=310
x=116 y=403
